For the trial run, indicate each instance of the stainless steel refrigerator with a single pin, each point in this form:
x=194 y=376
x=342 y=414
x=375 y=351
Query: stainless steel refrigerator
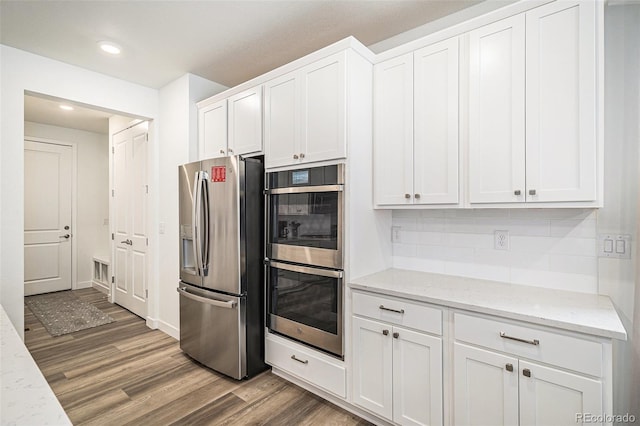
x=221 y=264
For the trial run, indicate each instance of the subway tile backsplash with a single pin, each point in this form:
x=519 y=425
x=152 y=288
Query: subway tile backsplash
x=553 y=248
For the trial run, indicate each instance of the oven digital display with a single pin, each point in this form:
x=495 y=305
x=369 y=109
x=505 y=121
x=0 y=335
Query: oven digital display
x=300 y=177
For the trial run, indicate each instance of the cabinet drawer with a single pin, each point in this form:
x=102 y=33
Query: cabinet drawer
x=307 y=365
x=398 y=311
x=569 y=352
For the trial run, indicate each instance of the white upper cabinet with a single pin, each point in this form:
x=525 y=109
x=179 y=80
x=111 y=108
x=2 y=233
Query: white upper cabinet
x=305 y=113
x=393 y=131
x=496 y=112
x=245 y=122
x=435 y=123
x=212 y=130
x=416 y=127
x=532 y=107
x=561 y=102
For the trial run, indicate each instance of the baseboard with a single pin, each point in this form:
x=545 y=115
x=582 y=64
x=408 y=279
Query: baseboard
x=83 y=284
x=166 y=328
x=100 y=287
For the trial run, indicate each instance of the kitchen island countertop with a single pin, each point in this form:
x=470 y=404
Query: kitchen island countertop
x=26 y=398
x=579 y=312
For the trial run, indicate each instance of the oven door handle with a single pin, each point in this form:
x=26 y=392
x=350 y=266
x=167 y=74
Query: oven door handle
x=306 y=189
x=306 y=270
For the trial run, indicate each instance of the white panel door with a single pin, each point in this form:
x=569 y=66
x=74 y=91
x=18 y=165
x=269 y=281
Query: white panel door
x=554 y=397
x=435 y=146
x=485 y=390
x=212 y=122
x=372 y=362
x=281 y=120
x=496 y=112
x=561 y=102
x=417 y=378
x=323 y=86
x=47 y=217
x=245 y=122
x=393 y=131
x=130 y=212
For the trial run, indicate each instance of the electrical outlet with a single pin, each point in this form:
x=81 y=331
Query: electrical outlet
x=501 y=240
x=395 y=234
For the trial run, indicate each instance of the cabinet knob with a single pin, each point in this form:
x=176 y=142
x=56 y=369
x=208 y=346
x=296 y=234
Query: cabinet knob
x=295 y=156
x=385 y=332
x=396 y=335
x=222 y=151
x=532 y=192
x=407 y=196
x=526 y=372
x=302 y=155
x=230 y=150
x=509 y=367
x=517 y=192
x=417 y=196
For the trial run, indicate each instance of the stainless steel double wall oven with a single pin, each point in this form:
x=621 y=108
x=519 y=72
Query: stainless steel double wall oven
x=305 y=255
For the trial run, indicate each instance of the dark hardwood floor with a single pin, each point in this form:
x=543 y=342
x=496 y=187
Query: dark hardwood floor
x=124 y=373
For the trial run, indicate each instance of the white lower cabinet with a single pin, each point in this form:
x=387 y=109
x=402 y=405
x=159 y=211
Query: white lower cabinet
x=397 y=372
x=505 y=389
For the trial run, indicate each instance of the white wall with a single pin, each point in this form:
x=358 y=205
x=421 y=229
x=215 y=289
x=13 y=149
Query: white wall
x=619 y=278
x=20 y=71
x=91 y=234
x=178 y=144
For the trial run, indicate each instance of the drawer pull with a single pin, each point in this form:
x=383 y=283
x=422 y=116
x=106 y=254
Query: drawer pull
x=509 y=367
x=526 y=372
x=401 y=311
x=534 y=342
x=306 y=361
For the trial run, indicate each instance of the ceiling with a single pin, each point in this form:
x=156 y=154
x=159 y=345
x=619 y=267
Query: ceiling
x=228 y=42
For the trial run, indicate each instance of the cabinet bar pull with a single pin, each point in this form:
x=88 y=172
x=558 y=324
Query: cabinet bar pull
x=526 y=372
x=306 y=361
x=401 y=311
x=534 y=342
x=509 y=367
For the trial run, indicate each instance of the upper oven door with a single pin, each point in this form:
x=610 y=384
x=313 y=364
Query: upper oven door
x=306 y=224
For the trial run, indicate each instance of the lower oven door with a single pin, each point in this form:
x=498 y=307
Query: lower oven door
x=305 y=303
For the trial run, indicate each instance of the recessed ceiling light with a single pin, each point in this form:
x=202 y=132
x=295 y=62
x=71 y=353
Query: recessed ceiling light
x=109 y=47
x=66 y=107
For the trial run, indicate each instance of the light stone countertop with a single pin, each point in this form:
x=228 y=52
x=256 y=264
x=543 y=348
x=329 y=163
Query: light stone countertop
x=585 y=313
x=26 y=398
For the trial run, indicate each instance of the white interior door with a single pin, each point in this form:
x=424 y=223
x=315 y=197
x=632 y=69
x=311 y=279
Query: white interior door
x=130 y=193
x=47 y=217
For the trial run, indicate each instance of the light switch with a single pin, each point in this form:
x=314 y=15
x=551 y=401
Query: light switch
x=620 y=246
x=608 y=246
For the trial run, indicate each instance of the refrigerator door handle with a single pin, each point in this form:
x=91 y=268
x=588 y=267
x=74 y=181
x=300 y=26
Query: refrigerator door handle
x=205 y=212
x=230 y=304
x=195 y=219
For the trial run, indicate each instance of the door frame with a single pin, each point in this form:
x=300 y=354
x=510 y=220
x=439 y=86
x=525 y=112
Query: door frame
x=74 y=199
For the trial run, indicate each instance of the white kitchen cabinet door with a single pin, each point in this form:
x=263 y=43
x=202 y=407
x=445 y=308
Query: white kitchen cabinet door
x=485 y=390
x=393 y=131
x=212 y=130
x=245 y=122
x=281 y=120
x=372 y=372
x=417 y=378
x=496 y=112
x=554 y=397
x=323 y=85
x=561 y=102
x=435 y=146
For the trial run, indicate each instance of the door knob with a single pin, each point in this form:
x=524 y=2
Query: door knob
x=127 y=241
x=65 y=236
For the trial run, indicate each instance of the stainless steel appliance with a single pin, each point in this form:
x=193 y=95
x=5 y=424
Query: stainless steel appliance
x=221 y=264
x=305 y=255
